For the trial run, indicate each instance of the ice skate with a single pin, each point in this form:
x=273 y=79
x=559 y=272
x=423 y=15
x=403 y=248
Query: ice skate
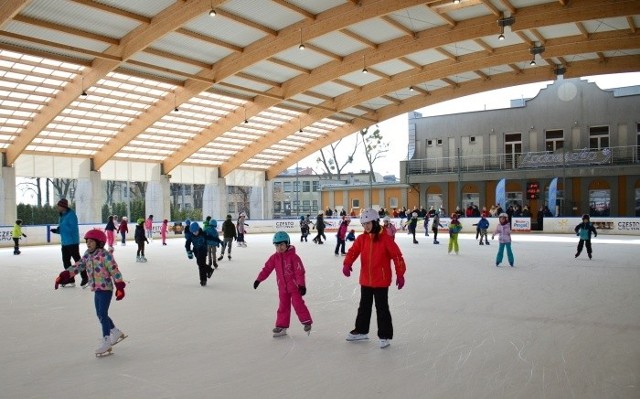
x=220 y=257
x=116 y=336
x=69 y=285
x=105 y=347
x=486 y=242
x=210 y=272
x=229 y=257
x=355 y=336
x=143 y=259
x=138 y=259
x=111 y=249
x=481 y=243
x=189 y=254
x=203 y=283
x=279 y=332
x=436 y=242
x=84 y=283
x=307 y=328
x=215 y=265
x=384 y=343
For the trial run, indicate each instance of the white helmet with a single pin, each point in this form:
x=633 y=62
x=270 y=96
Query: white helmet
x=369 y=215
x=503 y=215
x=414 y=215
x=386 y=219
x=243 y=215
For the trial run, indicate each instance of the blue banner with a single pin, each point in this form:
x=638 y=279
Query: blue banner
x=501 y=195
x=553 y=193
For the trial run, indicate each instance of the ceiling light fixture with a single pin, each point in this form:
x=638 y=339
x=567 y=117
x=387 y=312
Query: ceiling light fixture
x=411 y=88
x=300 y=124
x=456 y=1
x=364 y=65
x=534 y=51
x=505 y=21
x=175 y=103
x=245 y=115
x=83 y=93
x=301 y=46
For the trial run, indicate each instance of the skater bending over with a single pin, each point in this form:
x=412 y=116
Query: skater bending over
x=584 y=231
x=199 y=239
x=104 y=276
x=376 y=250
x=291 y=284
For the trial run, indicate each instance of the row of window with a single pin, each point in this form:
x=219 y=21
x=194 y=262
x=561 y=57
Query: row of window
x=554 y=139
x=293 y=207
x=294 y=186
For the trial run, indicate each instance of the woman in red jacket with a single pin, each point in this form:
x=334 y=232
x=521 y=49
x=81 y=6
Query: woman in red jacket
x=377 y=249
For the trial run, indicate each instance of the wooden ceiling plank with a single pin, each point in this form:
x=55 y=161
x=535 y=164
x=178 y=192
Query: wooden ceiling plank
x=359 y=38
x=66 y=29
x=10 y=9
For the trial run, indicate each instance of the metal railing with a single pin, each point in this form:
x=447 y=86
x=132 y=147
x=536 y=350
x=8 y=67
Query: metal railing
x=624 y=155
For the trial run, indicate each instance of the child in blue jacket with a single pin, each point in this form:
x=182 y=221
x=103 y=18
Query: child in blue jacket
x=584 y=231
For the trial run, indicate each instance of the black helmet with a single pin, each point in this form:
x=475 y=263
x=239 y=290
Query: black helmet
x=585 y=216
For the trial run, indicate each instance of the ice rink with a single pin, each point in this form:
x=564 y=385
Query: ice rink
x=551 y=327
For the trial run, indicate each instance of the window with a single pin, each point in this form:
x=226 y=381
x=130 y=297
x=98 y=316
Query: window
x=472 y=139
x=277 y=187
x=306 y=186
x=355 y=203
x=429 y=143
x=315 y=185
x=287 y=187
x=554 y=140
x=598 y=137
x=306 y=206
x=599 y=202
x=296 y=186
x=470 y=199
x=277 y=207
x=314 y=205
x=434 y=200
x=296 y=206
x=438 y=141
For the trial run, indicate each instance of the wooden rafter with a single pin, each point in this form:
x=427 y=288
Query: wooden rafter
x=9 y=9
x=359 y=38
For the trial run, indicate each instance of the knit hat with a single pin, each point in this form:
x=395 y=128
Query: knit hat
x=64 y=203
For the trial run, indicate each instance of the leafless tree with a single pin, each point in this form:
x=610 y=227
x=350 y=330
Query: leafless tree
x=374 y=148
x=330 y=162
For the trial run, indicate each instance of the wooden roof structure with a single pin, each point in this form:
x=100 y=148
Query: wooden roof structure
x=261 y=84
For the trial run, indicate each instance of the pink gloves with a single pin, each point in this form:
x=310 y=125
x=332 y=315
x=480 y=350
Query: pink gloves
x=400 y=282
x=346 y=270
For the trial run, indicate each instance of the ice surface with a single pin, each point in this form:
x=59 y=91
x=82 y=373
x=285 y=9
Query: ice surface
x=552 y=327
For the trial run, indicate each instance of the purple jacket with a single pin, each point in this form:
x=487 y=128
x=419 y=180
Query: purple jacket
x=289 y=270
x=504 y=230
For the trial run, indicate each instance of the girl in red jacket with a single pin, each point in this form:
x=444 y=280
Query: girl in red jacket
x=291 y=286
x=378 y=249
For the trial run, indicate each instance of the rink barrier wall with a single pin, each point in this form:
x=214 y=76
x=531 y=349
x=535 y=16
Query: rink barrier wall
x=41 y=234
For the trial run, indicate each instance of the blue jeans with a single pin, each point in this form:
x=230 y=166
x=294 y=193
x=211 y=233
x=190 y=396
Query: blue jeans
x=501 y=253
x=102 y=301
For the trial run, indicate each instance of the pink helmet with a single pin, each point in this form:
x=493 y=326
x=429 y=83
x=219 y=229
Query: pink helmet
x=96 y=235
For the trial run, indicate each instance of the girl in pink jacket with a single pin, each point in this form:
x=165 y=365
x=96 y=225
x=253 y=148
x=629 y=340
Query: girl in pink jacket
x=504 y=231
x=291 y=284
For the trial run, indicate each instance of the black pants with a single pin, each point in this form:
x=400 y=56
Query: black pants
x=320 y=236
x=69 y=252
x=340 y=246
x=203 y=267
x=586 y=243
x=435 y=233
x=140 y=251
x=381 y=296
x=16 y=244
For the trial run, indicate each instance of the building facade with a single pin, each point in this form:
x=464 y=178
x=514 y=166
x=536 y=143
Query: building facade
x=572 y=135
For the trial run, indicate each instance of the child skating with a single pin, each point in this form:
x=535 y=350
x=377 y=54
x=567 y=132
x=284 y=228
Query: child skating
x=242 y=230
x=584 y=231
x=434 y=227
x=290 y=277
x=200 y=250
x=163 y=231
x=481 y=230
x=104 y=275
x=504 y=231
x=228 y=235
x=341 y=236
x=376 y=250
x=388 y=227
x=454 y=228
x=213 y=242
x=140 y=238
x=17 y=235
x=412 y=225
x=187 y=239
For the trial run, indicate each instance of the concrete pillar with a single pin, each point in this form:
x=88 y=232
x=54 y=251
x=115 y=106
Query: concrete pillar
x=268 y=199
x=214 y=196
x=89 y=195
x=8 y=210
x=157 y=198
x=257 y=203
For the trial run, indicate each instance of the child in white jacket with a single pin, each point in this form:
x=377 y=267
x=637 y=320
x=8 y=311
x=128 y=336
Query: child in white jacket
x=504 y=231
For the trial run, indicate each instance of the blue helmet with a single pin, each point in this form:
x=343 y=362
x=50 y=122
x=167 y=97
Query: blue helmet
x=194 y=227
x=301 y=217
x=187 y=222
x=213 y=223
x=281 y=236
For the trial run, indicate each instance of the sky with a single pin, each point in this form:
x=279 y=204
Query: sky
x=395 y=130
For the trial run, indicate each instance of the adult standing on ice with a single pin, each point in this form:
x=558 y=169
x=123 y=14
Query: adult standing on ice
x=376 y=249
x=70 y=240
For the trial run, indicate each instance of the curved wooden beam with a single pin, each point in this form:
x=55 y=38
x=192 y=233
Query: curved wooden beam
x=578 y=69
